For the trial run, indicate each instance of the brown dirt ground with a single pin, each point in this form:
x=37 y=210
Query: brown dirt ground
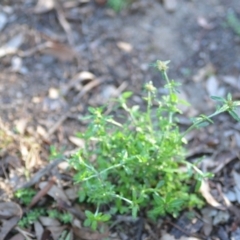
x=117 y=49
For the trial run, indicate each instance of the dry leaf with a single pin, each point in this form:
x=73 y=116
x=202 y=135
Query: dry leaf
x=38 y=230
x=9 y=209
x=55 y=192
x=86 y=234
x=21 y=125
x=204 y=23
x=79 y=78
x=41 y=131
x=56 y=231
x=42 y=192
x=59 y=50
x=18 y=236
x=53 y=93
x=76 y=141
x=44 y=6
x=49 y=222
x=72 y=193
x=7 y=226
x=10 y=213
x=205 y=191
x=126 y=47
x=12 y=45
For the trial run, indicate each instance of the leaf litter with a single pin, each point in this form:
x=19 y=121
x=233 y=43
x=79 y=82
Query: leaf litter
x=18 y=150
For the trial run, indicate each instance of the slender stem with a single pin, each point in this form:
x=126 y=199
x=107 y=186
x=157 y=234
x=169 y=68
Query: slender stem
x=194 y=125
x=165 y=76
x=99 y=173
x=122 y=198
x=149 y=105
x=97 y=210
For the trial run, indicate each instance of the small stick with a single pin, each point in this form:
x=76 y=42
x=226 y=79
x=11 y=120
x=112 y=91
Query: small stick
x=64 y=23
x=36 y=178
x=42 y=192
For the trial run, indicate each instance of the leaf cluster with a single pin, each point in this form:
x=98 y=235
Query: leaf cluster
x=34 y=214
x=138 y=162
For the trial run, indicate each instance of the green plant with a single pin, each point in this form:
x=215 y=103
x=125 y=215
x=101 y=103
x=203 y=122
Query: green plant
x=233 y=22
x=54 y=153
x=34 y=214
x=25 y=195
x=63 y=217
x=31 y=217
x=117 y=5
x=138 y=162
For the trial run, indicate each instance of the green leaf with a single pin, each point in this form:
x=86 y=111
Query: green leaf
x=89 y=214
x=135 y=209
x=234 y=115
x=94 y=225
x=229 y=97
x=126 y=95
x=176 y=203
x=87 y=222
x=160 y=184
x=198 y=185
x=105 y=217
x=219 y=99
x=159 y=200
x=202 y=124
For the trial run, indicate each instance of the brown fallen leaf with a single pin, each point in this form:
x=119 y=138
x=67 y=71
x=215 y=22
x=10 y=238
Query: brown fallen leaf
x=44 y=6
x=203 y=22
x=38 y=230
x=55 y=192
x=76 y=141
x=59 y=50
x=42 y=192
x=7 y=226
x=56 y=231
x=49 y=222
x=79 y=78
x=205 y=191
x=18 y=236
x=126 y=47
x=86 y=234
x=9 y=209
x=72 y=192
x=21 y=125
